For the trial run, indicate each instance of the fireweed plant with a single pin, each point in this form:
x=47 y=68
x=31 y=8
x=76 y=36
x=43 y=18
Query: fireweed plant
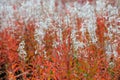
x=59 y=40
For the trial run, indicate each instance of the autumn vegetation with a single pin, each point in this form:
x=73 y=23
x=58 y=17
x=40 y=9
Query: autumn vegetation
x=56 y=58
